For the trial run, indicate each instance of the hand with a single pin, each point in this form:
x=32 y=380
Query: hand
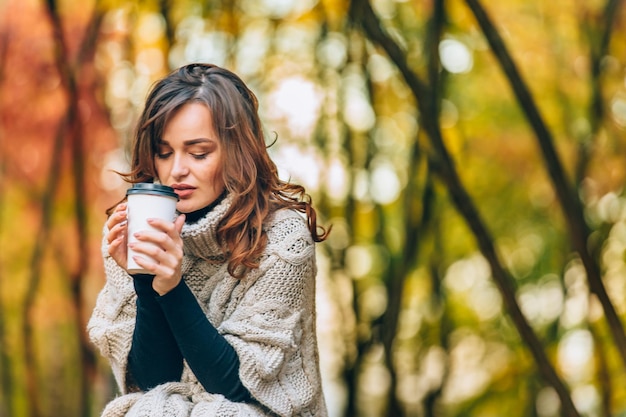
x=117 y=237
x=165 y=248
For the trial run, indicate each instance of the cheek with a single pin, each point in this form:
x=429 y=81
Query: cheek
x=159 y=168
x=215 y=174
x=217 y=179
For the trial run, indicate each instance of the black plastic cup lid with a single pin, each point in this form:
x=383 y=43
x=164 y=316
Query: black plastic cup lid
x=153 y=189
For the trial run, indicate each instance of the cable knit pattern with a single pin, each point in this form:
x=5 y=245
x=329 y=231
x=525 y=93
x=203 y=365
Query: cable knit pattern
x=268 y=317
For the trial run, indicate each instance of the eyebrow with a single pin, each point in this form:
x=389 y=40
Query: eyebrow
x=189 y=142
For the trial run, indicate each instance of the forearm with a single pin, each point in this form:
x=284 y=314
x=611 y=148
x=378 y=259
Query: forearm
x=154 y=356
x=212 y=359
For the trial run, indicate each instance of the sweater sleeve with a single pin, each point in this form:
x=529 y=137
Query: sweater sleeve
x=212 y=359
x=154 y=355
x=273 y=328
x=112 y=321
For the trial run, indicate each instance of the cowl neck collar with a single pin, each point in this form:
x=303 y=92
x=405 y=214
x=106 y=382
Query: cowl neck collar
x=200 y=237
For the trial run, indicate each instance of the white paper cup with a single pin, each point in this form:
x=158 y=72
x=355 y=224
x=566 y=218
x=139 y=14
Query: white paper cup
x=147 y=201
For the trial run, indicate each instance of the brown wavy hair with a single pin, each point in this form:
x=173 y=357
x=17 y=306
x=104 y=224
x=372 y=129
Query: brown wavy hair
x=249 y=174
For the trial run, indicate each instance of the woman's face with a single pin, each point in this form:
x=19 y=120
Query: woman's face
x=189 y=157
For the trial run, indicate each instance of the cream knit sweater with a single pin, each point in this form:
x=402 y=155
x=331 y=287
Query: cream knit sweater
x=268 y=316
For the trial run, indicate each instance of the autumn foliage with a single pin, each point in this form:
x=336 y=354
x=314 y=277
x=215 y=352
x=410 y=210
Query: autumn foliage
x=469 y=155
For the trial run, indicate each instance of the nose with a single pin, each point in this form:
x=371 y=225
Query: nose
x=179 y=167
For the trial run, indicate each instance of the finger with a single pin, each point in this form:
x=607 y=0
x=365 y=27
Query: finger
x=155 y=260
x=149 y=249
x=118 y=216
x=117 y=231
x=157 y=238
x=166 y=235
x=160 y=246
x=146 y=264
x=115 y=245
x=179 y=223
x=162 y=225
x=172 y=228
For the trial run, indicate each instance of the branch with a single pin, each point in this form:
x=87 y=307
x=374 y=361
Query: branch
x=596 y=106
x=361 y=11
x=41 y=241
x=570 y=204
x=69 y=76
x=70 y=126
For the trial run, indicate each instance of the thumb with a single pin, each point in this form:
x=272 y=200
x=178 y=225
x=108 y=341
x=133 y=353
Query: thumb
x=178 y=223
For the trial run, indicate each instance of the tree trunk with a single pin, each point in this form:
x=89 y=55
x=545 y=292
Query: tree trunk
x=443 y=166
x=6 y=395
x=570 y=204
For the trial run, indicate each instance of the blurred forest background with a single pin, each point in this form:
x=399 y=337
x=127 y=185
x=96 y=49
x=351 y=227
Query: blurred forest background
x=471 y=157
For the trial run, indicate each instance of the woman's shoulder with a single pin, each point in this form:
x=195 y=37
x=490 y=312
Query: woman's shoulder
x=287 y=220
x=287 y=229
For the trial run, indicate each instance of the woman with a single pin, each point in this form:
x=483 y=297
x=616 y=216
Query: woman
x=225 y=323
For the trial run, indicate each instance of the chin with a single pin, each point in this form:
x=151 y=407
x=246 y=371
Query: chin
x=186 y=208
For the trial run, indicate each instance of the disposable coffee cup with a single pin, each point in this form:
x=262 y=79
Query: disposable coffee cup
x=147 y=201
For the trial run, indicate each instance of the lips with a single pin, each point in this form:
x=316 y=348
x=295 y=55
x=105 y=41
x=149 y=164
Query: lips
x=183 y=190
